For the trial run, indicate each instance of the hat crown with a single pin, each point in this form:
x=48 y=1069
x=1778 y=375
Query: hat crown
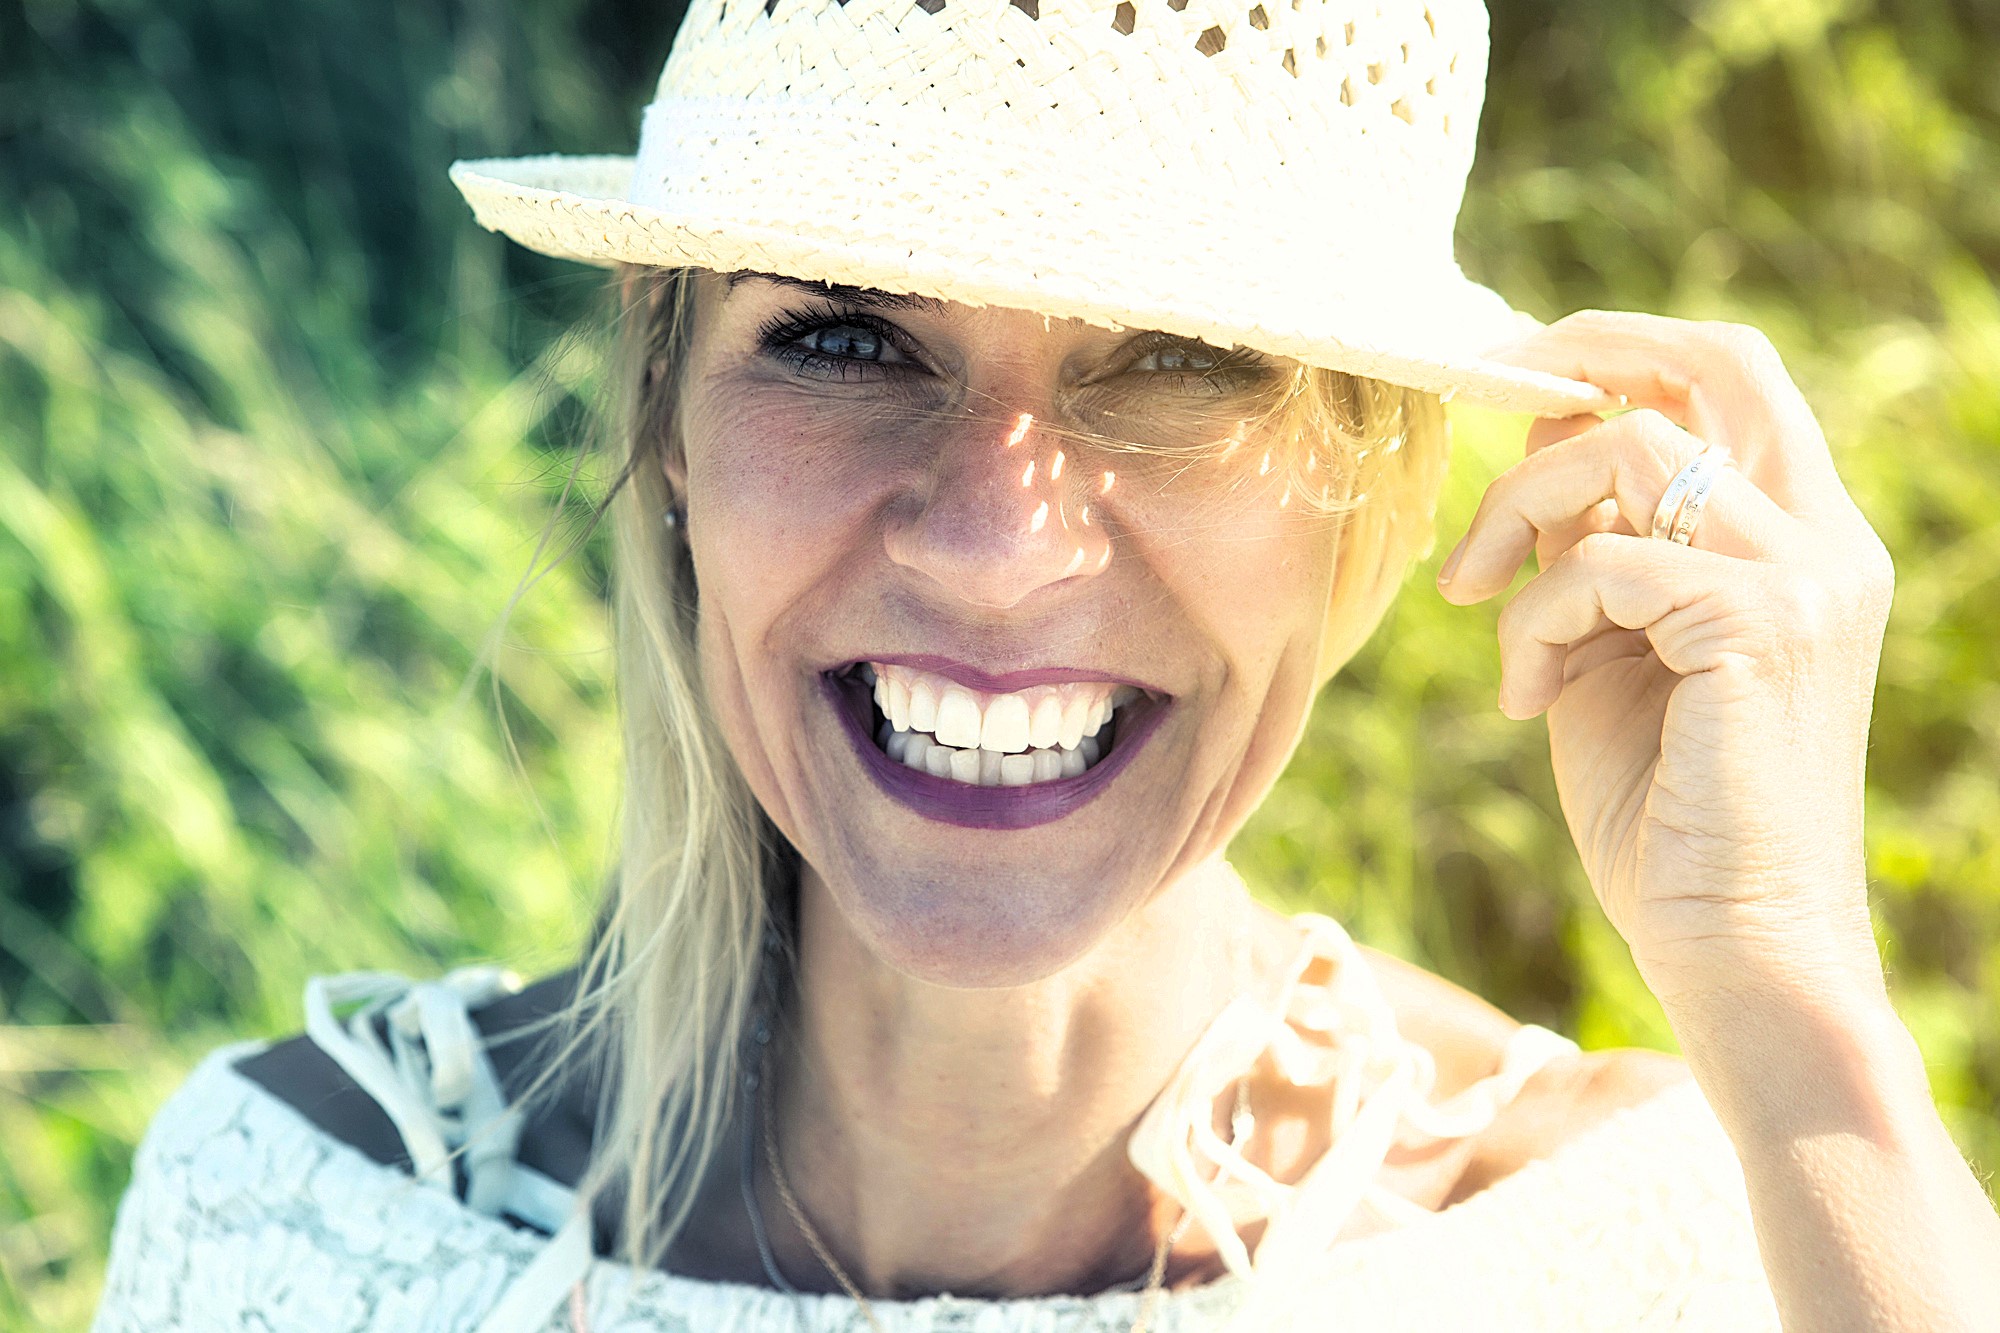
x=1283 y=175
x=1297 y=95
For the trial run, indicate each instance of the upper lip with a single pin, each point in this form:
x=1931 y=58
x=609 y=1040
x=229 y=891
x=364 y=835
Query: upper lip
x=1003 y=682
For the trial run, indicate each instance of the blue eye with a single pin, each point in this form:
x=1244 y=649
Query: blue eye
x=1180 y=358
x=833 y=344
x=848 y=341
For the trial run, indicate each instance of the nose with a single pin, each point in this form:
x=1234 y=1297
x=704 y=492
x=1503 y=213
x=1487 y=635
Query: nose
x=1004 y=511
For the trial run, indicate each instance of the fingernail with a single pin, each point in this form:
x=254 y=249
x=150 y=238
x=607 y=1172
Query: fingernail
x=1451 y=564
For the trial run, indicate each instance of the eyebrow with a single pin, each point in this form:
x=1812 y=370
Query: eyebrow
x=861 y=296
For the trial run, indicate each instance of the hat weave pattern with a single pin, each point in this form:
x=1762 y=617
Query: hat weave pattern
x=1284 y=175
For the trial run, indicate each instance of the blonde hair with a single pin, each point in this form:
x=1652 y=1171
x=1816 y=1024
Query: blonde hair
x=672 y=976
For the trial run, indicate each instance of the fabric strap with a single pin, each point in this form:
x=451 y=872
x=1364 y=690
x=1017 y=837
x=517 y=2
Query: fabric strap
x=437 y=1084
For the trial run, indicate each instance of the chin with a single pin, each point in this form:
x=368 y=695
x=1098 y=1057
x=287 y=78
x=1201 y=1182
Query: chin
x=990 y=930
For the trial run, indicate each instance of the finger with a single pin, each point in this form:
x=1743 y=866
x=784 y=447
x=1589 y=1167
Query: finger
x=1543 y=432
x=1630 y=460
x=1694 y=606
x=1550 y=543
x=1724 y=382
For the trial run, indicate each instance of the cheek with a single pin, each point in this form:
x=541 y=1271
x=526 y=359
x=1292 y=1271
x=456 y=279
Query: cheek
x=1255 y=577
x=1255 y=572
x=779 y=493
x=767 y=475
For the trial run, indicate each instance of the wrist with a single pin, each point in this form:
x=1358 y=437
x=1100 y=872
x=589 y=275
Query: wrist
x=1778 y=1065
x=1822 y=962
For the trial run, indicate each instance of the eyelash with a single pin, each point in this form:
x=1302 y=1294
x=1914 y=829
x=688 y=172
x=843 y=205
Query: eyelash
x=1235 y=369
x=781 y=337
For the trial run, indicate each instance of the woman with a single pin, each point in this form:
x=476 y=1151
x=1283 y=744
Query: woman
x=1023 y=411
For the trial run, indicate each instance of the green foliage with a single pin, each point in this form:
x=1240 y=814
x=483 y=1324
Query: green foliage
x=282 y=427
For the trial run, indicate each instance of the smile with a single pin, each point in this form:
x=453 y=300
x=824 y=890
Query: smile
x=954 y=745
x=1014 y=739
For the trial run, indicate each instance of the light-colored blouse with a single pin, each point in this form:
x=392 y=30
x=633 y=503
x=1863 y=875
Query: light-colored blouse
x=243 y=1215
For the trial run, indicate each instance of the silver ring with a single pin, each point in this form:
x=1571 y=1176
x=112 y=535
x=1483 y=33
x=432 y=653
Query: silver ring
x=1691 y=507
x=1691 y=481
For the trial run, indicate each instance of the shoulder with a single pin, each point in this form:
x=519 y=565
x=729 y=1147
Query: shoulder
x=556 y=1142
x=248 y=1207
x=1568 y=1097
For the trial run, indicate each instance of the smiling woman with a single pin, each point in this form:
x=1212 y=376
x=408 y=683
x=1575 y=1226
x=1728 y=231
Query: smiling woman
x=949 y=489
x=987 y=516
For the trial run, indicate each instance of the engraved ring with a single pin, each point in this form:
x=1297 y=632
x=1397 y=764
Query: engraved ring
x=1680 y=508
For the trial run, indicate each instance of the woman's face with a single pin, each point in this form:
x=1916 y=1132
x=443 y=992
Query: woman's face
x=924 y=495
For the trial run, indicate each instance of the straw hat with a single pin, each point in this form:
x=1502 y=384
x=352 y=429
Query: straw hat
x=1280 y=174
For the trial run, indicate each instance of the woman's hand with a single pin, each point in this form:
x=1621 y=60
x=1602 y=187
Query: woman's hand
x=1708 y=704
x=1708 y=713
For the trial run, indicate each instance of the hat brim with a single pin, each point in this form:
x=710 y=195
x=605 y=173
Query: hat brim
x=579 y=208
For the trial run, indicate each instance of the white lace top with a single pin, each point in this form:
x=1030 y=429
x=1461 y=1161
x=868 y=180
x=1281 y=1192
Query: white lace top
x=243 y=1215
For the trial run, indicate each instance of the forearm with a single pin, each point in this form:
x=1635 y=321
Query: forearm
x=1866 y=1215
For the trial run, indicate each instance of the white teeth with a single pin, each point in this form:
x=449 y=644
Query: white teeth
x=957 y=719
x=979 y=766
x=1074 y=713
x=1005 y=727
x=1045 y=721
x=1041 y=734
x=965 y=766
x=923 y=707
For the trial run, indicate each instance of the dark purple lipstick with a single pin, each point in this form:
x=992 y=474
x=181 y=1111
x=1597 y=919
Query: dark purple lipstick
x=968 y=806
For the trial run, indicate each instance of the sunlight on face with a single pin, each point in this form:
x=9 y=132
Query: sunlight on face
x=1008 y=621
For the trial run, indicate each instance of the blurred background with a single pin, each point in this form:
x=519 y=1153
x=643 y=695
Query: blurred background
x=280 y=428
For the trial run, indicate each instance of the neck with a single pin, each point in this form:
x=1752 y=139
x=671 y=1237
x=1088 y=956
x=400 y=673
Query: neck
x=973 y=1140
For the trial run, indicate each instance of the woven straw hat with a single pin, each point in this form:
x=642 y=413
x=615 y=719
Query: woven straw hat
x=1280 y=174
